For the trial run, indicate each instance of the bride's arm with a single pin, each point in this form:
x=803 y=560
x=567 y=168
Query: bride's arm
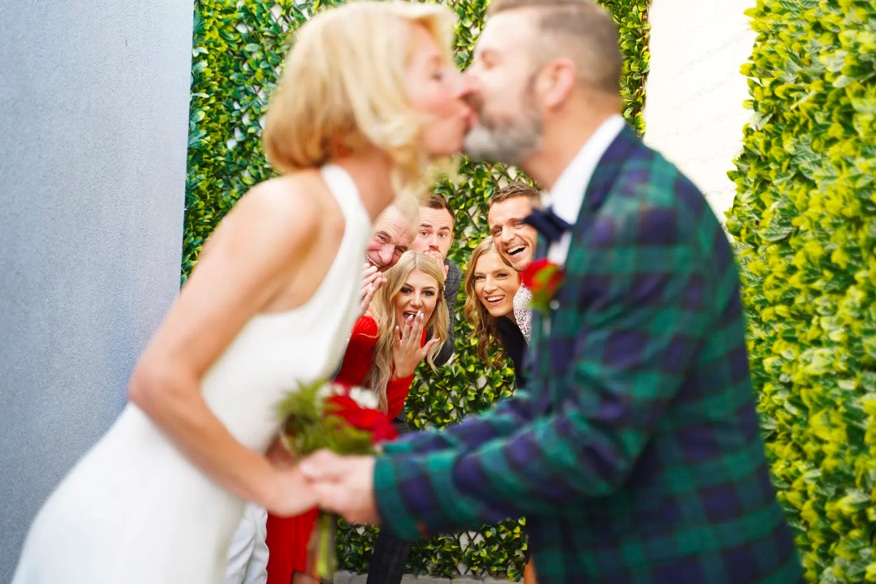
x=253 y=255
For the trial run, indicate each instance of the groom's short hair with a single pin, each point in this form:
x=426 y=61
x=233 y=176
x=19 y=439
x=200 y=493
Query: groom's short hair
x=580 y=30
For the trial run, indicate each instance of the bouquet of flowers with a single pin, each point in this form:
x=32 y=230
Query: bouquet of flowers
x=342 y=419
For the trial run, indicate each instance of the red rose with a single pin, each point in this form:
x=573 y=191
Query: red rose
x=528 y=275
x=542 y=278
x=553 y=281
x=372 y=421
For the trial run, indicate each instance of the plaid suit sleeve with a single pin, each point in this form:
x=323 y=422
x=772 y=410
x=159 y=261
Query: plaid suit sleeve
x=645 y=294
x=507 y=415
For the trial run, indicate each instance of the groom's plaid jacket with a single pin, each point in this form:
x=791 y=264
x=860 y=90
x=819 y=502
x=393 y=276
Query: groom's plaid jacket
x=634 y=451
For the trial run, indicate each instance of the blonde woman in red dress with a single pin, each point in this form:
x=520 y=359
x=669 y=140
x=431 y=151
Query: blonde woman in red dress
x=386 y=345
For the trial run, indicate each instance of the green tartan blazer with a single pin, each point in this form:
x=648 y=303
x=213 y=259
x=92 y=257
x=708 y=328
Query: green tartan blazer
x=634 y=451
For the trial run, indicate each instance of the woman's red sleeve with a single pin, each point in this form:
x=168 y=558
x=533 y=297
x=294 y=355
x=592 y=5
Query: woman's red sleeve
x=360 y=352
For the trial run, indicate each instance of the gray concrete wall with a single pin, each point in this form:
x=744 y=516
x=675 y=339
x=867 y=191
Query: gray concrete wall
x=93 y=132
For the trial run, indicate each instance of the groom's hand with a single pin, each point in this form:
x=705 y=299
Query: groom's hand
x=344 y=485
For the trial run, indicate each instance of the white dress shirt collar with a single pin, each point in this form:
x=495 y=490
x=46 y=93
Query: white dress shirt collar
x=568 y=193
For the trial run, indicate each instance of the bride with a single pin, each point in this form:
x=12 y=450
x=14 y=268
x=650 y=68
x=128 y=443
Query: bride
x=369 y=97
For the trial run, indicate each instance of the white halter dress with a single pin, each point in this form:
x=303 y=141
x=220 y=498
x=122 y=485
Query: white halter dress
x=134 y=510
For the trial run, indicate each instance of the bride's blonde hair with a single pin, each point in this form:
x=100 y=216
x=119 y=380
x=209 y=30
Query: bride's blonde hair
x=342 y=89
x=383 y=311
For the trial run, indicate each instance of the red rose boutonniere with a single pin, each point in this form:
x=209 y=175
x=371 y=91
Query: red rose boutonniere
x=543 y=278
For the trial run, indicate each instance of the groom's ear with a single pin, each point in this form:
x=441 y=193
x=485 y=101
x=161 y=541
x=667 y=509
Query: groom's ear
x=556 y=81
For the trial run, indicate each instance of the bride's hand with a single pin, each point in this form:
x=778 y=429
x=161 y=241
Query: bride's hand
x=293 y=493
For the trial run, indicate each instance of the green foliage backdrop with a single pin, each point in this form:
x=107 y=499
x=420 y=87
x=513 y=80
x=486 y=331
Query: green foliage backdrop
x=804 y=221
x=238 y=49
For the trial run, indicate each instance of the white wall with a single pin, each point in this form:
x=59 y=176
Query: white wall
x=94 y=116
x=694 y=92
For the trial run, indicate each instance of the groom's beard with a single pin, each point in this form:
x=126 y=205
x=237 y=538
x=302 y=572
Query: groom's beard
x=502 y=140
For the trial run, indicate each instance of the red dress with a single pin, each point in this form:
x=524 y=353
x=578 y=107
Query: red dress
x=288 y=537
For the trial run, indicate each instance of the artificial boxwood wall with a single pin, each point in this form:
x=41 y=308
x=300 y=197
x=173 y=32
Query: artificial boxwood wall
x=238 y=48
x=804 y=221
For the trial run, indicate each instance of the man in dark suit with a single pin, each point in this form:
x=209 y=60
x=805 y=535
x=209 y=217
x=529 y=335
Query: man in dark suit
x=634 y=450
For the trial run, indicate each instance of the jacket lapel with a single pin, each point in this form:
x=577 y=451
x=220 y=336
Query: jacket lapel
x=604 y=176
x=557 y=348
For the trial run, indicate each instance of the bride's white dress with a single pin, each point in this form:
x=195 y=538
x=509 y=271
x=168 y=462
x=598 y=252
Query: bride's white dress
x=134 y=509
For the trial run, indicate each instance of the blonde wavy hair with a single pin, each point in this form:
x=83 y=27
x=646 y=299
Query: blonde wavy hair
x=342 y=88
x=483 y=324
x=383 y=311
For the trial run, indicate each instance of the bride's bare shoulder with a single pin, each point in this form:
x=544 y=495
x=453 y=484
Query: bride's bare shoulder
x=274 y=220
x=287 y=207
x=297 y=194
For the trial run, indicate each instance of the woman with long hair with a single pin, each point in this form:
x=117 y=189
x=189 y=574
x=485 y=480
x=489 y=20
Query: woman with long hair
x=490 y=284
x=387 y=345
x=369 y=97
x=410 y=302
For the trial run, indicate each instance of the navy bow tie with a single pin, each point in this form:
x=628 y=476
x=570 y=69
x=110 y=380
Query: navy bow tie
x=547 y=223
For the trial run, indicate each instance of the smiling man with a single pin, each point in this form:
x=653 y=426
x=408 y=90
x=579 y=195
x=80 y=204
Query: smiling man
x=514 y=239
x=390 y=238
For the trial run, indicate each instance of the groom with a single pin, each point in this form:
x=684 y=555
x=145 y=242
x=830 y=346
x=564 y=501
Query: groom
x=634 y=450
